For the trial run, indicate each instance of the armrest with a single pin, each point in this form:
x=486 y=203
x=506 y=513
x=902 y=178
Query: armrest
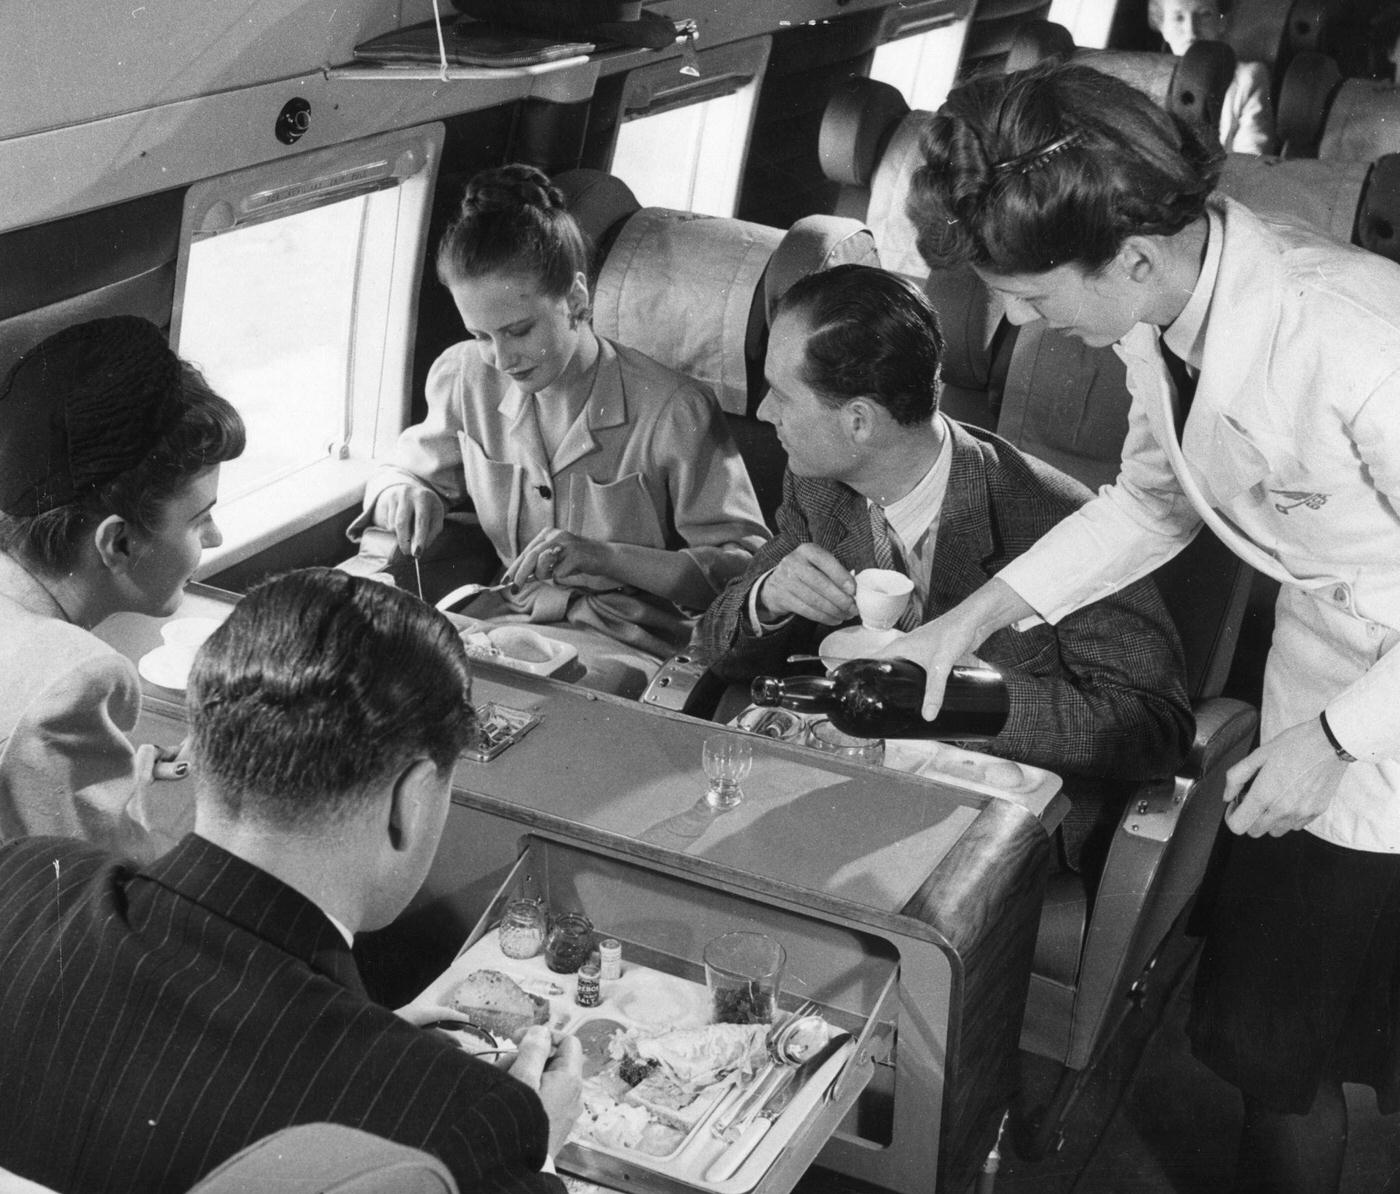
x=1154 y=867
x=685 y=683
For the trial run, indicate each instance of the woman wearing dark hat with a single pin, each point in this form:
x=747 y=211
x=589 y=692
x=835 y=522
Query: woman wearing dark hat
x=110 y=447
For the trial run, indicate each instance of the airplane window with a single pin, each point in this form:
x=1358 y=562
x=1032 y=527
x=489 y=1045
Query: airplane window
x=922 y=66
x=268 y=315
x=685 y=157
x=295 y=293
x=1088 y=20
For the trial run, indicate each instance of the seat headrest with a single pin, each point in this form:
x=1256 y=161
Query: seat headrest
x=1192 y=87
x=815 y=243
x=599 y=201
x=328 y=1159
x=1363 y=123
x=857 y=120
x=1323 y=194
x=889 y=191
x=681 y=288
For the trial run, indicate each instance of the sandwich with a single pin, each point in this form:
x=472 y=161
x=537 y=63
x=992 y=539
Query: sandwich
x=495 y=1002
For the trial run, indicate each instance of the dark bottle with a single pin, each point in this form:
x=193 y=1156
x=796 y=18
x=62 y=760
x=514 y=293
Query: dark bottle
x=881 y=698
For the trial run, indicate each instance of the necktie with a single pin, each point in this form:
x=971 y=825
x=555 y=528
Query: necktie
x=888 y=555
x=1184 y=382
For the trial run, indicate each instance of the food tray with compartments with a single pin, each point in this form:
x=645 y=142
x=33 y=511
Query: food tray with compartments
x=649 y=1000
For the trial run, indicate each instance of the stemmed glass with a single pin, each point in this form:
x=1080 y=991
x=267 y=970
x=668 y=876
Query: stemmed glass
x=727 y=758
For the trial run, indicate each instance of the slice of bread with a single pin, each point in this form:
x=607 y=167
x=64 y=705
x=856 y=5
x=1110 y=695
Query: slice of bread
x=495 y=1002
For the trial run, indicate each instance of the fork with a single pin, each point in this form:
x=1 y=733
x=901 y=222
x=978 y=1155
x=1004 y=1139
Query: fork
x=752 y=1095
x=460 y=594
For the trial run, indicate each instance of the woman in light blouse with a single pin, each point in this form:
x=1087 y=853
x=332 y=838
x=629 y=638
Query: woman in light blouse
x=608 y=484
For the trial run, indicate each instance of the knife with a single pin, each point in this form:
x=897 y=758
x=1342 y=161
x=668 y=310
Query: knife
x=728 y=1162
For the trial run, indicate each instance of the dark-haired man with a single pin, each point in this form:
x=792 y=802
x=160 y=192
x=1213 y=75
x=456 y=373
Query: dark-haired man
x=853 y=374
x=159 y=1019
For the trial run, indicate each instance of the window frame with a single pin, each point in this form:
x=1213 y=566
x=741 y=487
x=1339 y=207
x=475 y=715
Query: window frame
x=379 y=368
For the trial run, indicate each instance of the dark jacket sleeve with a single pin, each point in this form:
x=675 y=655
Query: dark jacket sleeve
x=1101 y=694
x=724 y=636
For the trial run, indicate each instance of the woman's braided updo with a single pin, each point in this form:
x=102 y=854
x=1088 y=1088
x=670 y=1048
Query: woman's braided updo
x=1050 y=166
x=512 y=220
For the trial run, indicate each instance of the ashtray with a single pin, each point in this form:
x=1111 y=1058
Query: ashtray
x=497 y=727
x=782 y=724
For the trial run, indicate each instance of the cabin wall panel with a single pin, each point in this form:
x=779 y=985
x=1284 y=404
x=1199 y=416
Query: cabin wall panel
x=53 y=174
x=66 y=62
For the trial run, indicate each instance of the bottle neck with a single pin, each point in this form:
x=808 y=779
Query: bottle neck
x=794 y=692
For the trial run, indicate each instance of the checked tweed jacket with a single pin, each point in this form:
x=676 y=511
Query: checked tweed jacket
x=1100 y=694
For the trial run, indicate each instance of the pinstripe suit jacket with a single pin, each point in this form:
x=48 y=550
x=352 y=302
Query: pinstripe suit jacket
x=1100 y=694
x=155 y=1021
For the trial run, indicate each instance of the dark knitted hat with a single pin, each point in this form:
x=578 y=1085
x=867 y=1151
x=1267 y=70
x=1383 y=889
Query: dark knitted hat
x=81 y=408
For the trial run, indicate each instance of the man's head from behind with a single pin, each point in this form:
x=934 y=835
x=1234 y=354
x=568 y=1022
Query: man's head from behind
x=854 y=353
x=321 y=693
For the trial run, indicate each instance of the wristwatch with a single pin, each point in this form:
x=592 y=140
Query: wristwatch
x=1342 y=753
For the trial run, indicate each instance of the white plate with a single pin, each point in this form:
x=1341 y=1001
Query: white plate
x=504 y=641
x=854 y=642
x=167 y=666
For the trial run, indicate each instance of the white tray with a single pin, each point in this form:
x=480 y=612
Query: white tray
x=502 y=639
x=647 y=998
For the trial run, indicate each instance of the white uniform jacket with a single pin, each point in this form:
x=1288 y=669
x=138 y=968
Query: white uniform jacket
x=649 y=461
x=1291 y=452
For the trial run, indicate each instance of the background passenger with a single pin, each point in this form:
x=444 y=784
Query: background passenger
x=852 y=367
x=608 y=484
x=1083 y=204
x=110 y=448
x=1247 y=113
x=159 y=1019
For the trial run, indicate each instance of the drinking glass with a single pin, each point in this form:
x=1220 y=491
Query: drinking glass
x=727 y=758
x=823 y=736
x=744 y=972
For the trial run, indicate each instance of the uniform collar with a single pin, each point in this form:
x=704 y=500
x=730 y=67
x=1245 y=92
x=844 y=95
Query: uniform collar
x=1186 y=334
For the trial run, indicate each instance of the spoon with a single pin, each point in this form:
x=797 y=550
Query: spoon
x=789 y=1043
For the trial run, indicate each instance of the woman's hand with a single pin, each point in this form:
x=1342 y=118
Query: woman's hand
x=414 y=513
x=1285 y=783
x=938 y=645
x=562 y=558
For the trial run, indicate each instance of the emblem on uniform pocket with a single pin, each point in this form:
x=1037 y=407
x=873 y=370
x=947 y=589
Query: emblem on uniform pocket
x=1293 y=498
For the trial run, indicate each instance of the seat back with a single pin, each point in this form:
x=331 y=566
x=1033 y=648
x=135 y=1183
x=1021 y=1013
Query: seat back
x=695 y=292
x=328 y=1159
x=1355 y=202
x=1192 y=87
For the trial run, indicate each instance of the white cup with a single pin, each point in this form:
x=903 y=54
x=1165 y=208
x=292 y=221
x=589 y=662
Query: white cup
x=881 y=595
